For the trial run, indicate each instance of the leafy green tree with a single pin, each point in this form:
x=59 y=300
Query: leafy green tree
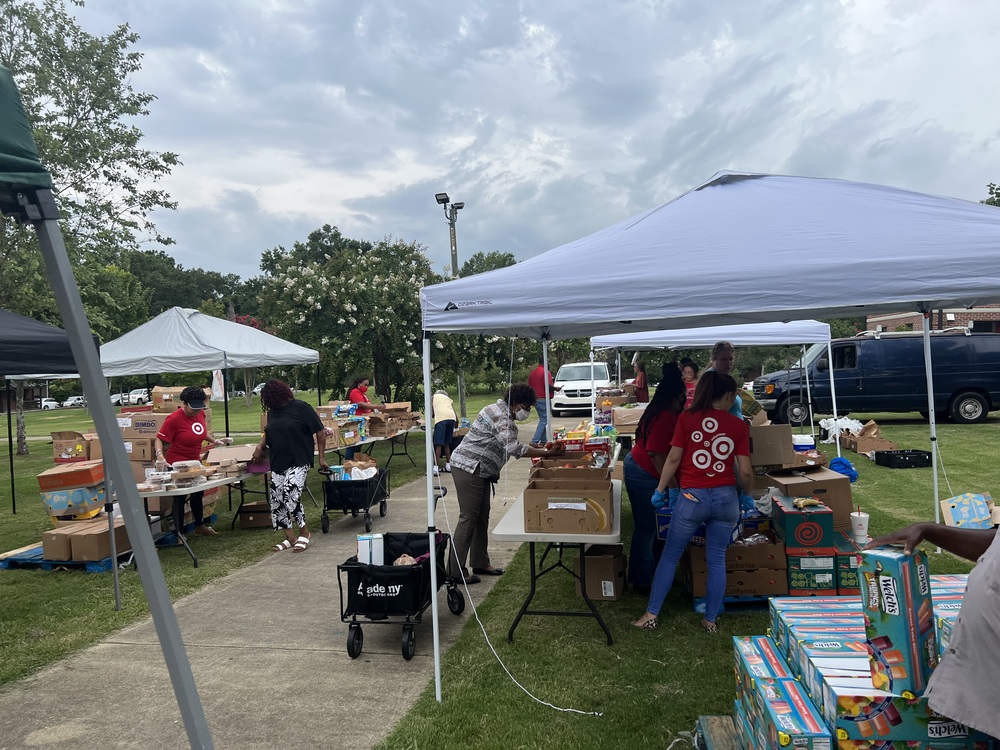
x=78 y=96
x=994 y=195
x=355 y=302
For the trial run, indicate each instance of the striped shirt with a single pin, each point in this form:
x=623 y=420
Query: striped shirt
x=491 y=440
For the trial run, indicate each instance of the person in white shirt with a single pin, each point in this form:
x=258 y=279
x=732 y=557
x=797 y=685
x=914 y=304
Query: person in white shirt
x=445 y=419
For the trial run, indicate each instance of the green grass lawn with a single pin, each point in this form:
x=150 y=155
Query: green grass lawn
x=648 y=686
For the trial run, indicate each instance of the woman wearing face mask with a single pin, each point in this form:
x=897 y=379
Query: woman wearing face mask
x=475 y=466
x=356 y=395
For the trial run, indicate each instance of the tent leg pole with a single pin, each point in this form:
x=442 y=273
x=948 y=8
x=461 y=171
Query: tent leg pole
x=225 y=396
x=319 y=387
x=431 y=530
x=88 y=362
x=929 y=373
x=833 y=390
x=10 y=455
x=548 y=392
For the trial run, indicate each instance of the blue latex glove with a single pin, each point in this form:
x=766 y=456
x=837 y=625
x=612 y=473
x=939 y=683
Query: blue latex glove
x=659 y=500
x=746 y=502
x=674 y=494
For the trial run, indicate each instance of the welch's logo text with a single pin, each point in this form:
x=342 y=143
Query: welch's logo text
x=890 y=599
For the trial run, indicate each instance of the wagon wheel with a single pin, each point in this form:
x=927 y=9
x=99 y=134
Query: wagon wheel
x=368 y=522
x=354 y=512
x=355 y=641
x=456 y=601
x=409 y=642
x=325 y=523
x=383 y=508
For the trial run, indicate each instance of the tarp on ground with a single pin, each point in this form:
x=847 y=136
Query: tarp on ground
x=752 y=334
x=185 y=340
x=28 y=346
x=741 y=248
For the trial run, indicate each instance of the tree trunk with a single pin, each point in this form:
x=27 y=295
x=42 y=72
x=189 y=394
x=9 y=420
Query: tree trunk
x=22 y=437
x=249 y=374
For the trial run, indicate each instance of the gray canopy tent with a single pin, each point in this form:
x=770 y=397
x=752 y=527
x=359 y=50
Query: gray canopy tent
x=756 y=248
x=26 y=196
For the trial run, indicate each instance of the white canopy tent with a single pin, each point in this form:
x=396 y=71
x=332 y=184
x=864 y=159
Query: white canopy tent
x=185 y=340
x=793 y=333
x=755 y=248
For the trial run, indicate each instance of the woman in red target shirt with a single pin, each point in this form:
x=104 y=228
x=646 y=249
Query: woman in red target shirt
x=707 y=446
x=184 y=433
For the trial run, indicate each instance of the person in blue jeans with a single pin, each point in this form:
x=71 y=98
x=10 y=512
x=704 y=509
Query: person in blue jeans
x=708 y=445
x=541 y=380
x=642 y=470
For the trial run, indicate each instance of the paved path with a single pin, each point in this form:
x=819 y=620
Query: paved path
x=268 y=652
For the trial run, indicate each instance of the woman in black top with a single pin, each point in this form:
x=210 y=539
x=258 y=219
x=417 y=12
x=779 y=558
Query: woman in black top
x=291 y=425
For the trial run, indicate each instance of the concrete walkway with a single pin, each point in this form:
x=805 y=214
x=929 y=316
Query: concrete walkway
x=268 y=650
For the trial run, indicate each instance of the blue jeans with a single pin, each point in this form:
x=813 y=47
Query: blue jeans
x=543 y=421
x=645 y=547
x=719 y=509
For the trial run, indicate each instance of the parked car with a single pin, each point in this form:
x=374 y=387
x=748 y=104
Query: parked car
x=74 y=401
x=575 y=384
x=874 y=373
x=139 y=396
x=50 y=403
x=117 y=399
x=258 y=388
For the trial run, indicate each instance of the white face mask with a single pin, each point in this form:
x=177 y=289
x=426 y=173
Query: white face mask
x=522 y=414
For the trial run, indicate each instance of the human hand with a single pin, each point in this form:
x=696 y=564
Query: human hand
x=909 y=537
x=161 y=464
x=659 y=499
x=323 y=465
x=556 y=448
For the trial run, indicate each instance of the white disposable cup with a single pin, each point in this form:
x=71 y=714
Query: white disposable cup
x=859 y=525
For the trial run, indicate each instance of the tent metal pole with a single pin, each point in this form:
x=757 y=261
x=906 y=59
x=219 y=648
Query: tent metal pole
x=431 y=529
x=10 y=454
x=319 y=386
x=931 y=416
x=44 y=215
x=593 y=389
x=833 y=389
x=548 y=391
x=809 y=398
x=225 y=390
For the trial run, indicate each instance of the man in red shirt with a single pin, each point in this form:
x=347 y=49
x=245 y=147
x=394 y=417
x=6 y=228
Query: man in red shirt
x=184 y=433
x=538 y=379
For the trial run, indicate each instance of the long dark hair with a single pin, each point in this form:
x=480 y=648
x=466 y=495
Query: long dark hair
x=711 y=387
x=668 y=393
x=354 y=384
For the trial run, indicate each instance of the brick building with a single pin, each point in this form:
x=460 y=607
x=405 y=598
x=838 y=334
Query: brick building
x=986 y=319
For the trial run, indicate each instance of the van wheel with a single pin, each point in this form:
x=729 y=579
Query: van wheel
x=969 y=407
x=792 y=412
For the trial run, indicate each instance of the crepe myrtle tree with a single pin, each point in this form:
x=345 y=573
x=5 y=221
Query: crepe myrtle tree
x=357 y=303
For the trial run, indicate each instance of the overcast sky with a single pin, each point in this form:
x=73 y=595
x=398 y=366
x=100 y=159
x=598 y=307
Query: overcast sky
x=549 y=119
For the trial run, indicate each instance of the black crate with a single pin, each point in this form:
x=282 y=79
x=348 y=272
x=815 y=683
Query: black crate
x=903 y=459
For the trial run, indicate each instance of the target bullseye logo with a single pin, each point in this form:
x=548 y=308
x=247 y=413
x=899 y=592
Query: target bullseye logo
x=808 y=534
x=701 y=459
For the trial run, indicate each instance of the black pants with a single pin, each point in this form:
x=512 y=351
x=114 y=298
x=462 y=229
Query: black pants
x=197 y=509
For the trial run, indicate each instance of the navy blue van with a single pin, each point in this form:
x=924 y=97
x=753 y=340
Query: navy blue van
x=885 y=372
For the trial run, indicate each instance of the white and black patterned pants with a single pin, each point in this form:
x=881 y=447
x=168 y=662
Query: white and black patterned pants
x=286 y=498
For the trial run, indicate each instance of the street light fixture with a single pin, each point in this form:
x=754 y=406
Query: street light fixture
x=451 y=215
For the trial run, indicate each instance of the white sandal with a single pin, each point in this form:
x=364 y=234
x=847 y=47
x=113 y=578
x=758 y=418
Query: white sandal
x=283 y=545
x=301 y=543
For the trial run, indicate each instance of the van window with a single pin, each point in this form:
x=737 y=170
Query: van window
x=845 y=357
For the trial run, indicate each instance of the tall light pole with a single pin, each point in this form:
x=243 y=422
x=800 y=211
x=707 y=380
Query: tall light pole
x=451 y=215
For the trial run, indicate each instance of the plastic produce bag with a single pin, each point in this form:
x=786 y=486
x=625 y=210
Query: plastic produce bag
x=359 y=473
x=834 y=427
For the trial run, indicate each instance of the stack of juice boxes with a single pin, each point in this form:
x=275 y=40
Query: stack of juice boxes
x=849 y=672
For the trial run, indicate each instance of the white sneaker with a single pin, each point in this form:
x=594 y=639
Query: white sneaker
x=447 y=468
x=437 y=471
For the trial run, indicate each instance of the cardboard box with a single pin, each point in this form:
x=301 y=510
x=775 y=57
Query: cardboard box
x=139 y=469
x=380 y=425
x=605 y=572
x=805 y=531
x=607 y=403
x=235 y=453
x=832 y=488
x=899 y=619
x=139 y=449
x=789 y=718
x=94 y=451
x=744 y=557
x=68 y=446
x=969 y=510
x=866 y=444
x=627 y=417
x=255 y=516
x=771 y=444
x=73 y=501
x=68 y=476
x=808 y=574
x=848 y=562
x=569 y=507
x=394 y=407
x=140 y=425
x=55 y=542
x=761 y=582
x=757 y=658
x=94 y=542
